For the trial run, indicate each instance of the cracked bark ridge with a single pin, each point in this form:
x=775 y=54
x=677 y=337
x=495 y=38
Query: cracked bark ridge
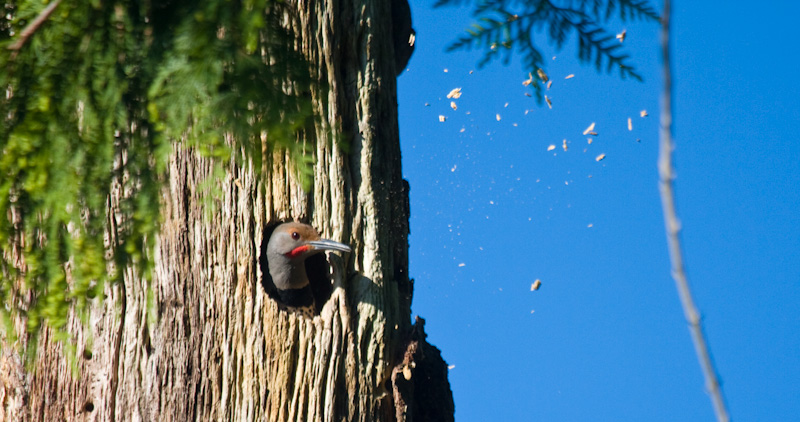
x=419 y=382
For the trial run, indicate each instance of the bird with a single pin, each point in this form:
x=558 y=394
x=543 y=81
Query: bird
x=289 y=246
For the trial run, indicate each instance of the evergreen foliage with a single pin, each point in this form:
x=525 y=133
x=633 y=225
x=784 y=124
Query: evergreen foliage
x=504 y=25
x=98 y=93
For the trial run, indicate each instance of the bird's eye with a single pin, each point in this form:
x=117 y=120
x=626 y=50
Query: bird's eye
x=295 y=235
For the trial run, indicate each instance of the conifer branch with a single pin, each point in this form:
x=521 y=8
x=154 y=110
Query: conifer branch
x=503 y=25
x=128 y=79
x=32 y=27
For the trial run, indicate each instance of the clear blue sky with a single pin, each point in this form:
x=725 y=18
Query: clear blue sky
x=604 y=338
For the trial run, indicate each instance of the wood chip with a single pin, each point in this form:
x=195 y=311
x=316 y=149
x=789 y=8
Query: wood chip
x=528 y=94
x=536 y=284
x=643 y=113
x=589 y=141
x=600 y=157
x=551 y=147
x=442 y=118
x=630 y=124
x=564 y=144
x=570 y=76
x=589 y=129
x=528 y=81
x=455 y=107
x=621 y=35
x=542 y=75
x=497 y=116
x=455 y=93
x=549 y=83
x=547 y=100
x=407 y=373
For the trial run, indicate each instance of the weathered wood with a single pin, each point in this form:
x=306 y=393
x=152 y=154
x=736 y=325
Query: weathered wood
x=214 y=345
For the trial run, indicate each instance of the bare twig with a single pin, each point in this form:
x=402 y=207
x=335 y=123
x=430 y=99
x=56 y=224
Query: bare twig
x=673 y=227
x=32 y=27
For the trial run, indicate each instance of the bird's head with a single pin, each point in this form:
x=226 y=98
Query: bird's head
x=287 y=250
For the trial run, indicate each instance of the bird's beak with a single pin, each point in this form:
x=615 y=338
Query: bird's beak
x=329 y=245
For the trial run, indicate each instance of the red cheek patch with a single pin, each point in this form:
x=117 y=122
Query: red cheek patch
x=294 y=253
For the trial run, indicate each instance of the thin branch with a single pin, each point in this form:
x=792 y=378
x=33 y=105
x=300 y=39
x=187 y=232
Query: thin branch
x=673 y=228
x=32 y=27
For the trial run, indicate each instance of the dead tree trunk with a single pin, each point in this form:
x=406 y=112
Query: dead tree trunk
x=215 y=346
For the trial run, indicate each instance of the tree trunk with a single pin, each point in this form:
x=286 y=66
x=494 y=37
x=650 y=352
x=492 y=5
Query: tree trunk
x=213 y=345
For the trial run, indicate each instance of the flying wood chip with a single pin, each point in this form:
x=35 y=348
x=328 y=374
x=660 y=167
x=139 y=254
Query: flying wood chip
x=549 y=83
x=643 y=113
x=442 y=118
x=621 y=36
x=570 y=76
x=564 y=145
x=542 y=75
x=551 y=147
x=455 y=107
x=497 y=116
x=589 y=129
x=528 y=81
x=536 y=284
x=455 y=93
x=630 y=124
x=547 y=100
x=600 y=157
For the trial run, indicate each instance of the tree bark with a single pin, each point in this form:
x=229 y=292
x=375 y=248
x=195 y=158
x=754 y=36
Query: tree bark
x=213 y=345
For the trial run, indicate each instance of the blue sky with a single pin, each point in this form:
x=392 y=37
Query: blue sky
x=604 y=338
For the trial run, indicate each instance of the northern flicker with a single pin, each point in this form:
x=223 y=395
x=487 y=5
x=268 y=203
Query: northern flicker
x=288 y=248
